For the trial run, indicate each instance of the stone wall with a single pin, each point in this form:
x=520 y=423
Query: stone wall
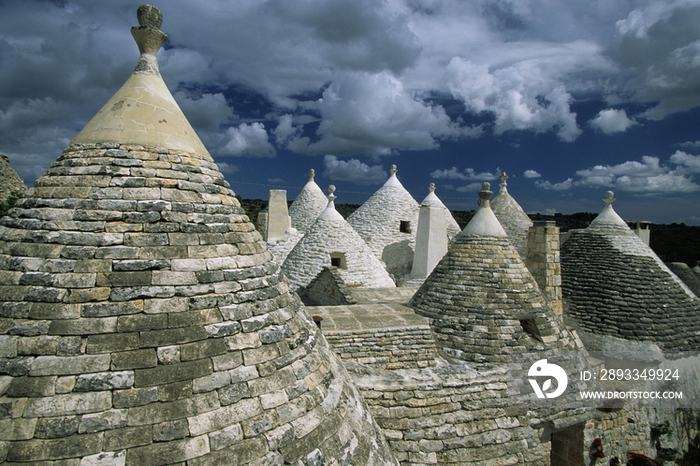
x=544 y=263
x=450 y=415
x=409 y=347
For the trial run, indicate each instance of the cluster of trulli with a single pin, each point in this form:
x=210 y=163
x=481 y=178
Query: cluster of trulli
x=387 y=225
x=143 y=319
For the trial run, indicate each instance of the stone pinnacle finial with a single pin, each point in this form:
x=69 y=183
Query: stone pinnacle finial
x=331 y=196
x=312 y=173
x=609 y=198
x=148 y=15
x=485 y=195
x=393 y=170
x=148 y=37
x=431 y=188
x=503 y=179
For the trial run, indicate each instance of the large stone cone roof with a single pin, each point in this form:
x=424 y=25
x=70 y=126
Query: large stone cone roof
x=614 y=284
x=513 y=218
x=308 y=205
x=483 y=303
x=330 y=234
x=144 y=322
x=10 y=182
x=378 y=221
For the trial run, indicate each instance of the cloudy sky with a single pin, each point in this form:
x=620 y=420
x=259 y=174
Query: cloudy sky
x=570 y=97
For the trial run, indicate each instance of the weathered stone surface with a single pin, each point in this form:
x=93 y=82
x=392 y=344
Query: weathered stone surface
x=58 y=365
x=69 y=447
x=70 y=404
x=104 y=381
x=170 y=452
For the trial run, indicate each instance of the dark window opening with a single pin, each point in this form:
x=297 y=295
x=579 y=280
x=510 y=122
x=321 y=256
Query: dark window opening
x=530 y=328
x=338 y=260
x=405 y=226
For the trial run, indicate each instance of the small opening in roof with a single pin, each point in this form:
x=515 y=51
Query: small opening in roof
x=338 y=260
x=405 y=226
x=530 y=328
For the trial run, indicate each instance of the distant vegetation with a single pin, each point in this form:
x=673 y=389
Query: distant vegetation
x=672 y=243
x=9 y=202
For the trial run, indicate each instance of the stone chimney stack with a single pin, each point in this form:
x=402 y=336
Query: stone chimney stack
x=278 y=221
x=543 y=261
x=431 y=237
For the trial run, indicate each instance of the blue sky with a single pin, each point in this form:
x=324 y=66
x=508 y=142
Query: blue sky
x=570 y=97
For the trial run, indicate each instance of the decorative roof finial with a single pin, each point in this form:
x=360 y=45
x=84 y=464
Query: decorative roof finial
x=148 y=37
x=331 y=196
x=148 y=15
x=503 y=184
x=393 y=170
x=432 y=187
x=485 y=195
x=609 y=198
x=312 y=173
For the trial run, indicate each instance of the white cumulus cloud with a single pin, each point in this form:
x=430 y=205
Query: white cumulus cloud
x=353 y=171
x=531 y=174
x=467 y=174
x=612 y=121
x=247 y=140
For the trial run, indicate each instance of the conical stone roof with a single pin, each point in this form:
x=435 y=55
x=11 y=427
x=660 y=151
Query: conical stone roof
x=331 y=236
x=144 y=321
x=10 y=182
x=483 y=303
x=308 y=205
x=614 y=284
x=388 y=222
x=513 y=218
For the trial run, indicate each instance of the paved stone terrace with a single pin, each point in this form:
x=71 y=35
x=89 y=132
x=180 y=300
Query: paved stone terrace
x=386 y=336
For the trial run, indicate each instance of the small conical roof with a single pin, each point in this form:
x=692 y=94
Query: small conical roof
x=388 y=222
x=145 y=322
x=308 y=205
x=453 y=228
x=614 y=284
x=331 y=236
x=513 y=218
x=10 y=182
x=483 y=303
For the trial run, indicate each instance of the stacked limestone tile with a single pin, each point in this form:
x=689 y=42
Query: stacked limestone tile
x=614 y=284
x=483 y=303
x=331 y=236
x=512 y=217
x=143 y=320
x=379 y=222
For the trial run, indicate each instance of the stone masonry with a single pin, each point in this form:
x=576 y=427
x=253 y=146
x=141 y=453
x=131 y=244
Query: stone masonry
x=10 y=182
x=543 y=261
